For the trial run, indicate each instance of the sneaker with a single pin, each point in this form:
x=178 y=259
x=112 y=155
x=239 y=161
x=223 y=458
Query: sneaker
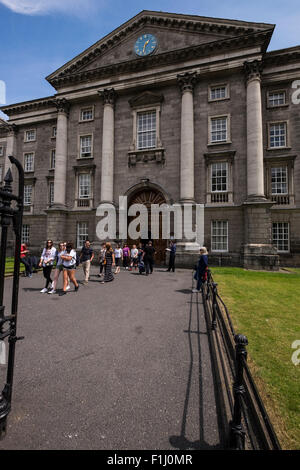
x=52 y=291
x=30 y=276
x=85 y=283
x=43 y=291
x=68 y=287
x=196 y=291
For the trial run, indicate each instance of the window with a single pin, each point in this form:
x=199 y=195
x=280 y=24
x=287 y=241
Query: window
x=276 y=98
x=1 y=150
x=280 y=233
x=30 y=136
x=218 y=129
x=219 y=177
x=29 y=162
x=84 y=186
x=85 y=146
x=52 y=159
x=54 y=131
x=146 y=130
x=25 y=233
x=51 y=193
x=219 y=92
x=27 y=195
x=219 y=235
x=82 y=233
x=279 y=180
x=277 y=135
x=86 y=114
x=1 y=173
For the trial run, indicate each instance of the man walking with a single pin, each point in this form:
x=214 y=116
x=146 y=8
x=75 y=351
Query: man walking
x=172 y=250
x=148 y=257
x=86 y=257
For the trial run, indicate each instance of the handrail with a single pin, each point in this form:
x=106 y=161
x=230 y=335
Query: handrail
x=250 y=420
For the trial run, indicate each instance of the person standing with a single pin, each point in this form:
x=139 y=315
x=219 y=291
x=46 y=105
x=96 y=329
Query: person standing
x=69 y=266
x=118 y=257
x=148 y=257
x=172 y=256
x=108 y=263
x=134 y=257
x=201 y=269
x=101 y=258
x=47 y=260
x=126 y=256
x=86 y=257
x=26 y=260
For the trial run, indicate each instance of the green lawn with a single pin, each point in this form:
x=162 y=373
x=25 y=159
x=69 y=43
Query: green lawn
x=9 y=266
x=266 y=308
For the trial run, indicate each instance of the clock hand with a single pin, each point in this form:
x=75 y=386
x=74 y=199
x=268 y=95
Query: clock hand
x=147 y=42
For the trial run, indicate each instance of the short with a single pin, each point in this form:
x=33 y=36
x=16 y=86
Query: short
x=69 y=268
x=117 y=261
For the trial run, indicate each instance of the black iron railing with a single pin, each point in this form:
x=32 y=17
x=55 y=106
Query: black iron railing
x=11 y=211
x=244 y=414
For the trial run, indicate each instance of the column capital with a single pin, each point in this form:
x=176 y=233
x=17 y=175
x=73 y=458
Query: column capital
x=253 y=69
x=9 y=129
x=62 y=105
x=108 y=95
x=187 y=81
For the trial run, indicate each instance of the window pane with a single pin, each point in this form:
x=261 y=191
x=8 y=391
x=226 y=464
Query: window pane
x=219 y=176
x=219 y=235
x=86 y=146
x=28 y=162
x=276 y=98
x=52 y=162
x=219 y=129
x=218 y=93
x=82 y=233
x=25 y=233
x=280 y=233
x=146 y=130
x=27 y=194
x=84 y=186
x=278 y=135
x=279 y=180
x=86 y=114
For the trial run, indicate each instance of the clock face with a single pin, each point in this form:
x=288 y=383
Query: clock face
x=145 y=45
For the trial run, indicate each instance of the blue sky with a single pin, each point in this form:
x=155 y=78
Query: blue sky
x=42 y=35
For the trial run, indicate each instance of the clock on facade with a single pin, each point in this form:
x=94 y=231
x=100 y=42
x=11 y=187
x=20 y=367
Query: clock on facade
x=145 y=45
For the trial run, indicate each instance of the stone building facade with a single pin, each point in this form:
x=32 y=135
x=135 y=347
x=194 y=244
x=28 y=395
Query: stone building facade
x=168 y=108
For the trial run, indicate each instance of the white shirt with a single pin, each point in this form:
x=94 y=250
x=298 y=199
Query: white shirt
x=59 y=260
x=72 y=261
x=134 y=252
x=118 y=252
x=48 y=255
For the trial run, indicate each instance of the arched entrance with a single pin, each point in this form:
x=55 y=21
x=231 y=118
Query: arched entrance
x=148 y=196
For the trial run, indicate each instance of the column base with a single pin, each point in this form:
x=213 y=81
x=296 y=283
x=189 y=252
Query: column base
x=260 y=256
x=187 y=254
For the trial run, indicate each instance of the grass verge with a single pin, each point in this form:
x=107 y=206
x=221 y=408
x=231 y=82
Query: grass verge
x=265 y=307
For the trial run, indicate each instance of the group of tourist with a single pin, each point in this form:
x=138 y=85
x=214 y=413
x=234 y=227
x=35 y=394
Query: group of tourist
x=65 y=260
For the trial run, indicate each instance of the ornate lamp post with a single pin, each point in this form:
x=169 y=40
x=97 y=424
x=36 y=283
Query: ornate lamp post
x=8 y=323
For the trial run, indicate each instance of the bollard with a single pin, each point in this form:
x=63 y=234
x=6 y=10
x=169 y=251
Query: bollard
x=214 y=306
x=237 y=434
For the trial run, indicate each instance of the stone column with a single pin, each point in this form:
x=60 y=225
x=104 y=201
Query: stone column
x=255 y=158
x=107 y=168
x=61 y=153
x=11 y=146
x=186 y=83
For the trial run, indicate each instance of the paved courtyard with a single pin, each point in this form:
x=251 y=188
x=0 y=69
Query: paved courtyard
x=124 y=365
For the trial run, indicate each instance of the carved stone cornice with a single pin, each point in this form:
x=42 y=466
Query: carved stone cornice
x=35 y=105
x=62 y=105
x=74 y=76
x=108 y=95
x=6 y=129
x=187 y=81
x=253 y=69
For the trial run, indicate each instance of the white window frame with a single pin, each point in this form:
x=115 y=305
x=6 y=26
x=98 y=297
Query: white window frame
x=25 y=238
x=89 y=196
x=227 y=177
x=25 y=164
x=145 y=109
x=274 y=92
x=145 y=132
x=215 y=250
x=54 y=132
x=51 y=193
x=274 y=123
x=275 y=243
x=228 y=133
x=286 y=182
x=26 y=132
x=31 y=195
x=79 y=145
x=81 y=227
x=215 y=87
x=82 y=110
x=52 y=167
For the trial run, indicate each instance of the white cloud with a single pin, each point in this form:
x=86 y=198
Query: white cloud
x=42 y=7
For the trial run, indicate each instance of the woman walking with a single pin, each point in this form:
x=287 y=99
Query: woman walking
x=69 y=266
x=118 y=257
x=109 y=261
x=201 y=269
x=59 y=267
x=101 y=259
x=47 y=260
x=126 y=256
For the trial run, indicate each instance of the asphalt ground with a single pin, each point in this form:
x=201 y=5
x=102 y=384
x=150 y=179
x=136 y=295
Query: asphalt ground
x=124 y=365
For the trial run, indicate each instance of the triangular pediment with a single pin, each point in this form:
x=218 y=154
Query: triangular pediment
x=173 y=32
x=145 y=99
